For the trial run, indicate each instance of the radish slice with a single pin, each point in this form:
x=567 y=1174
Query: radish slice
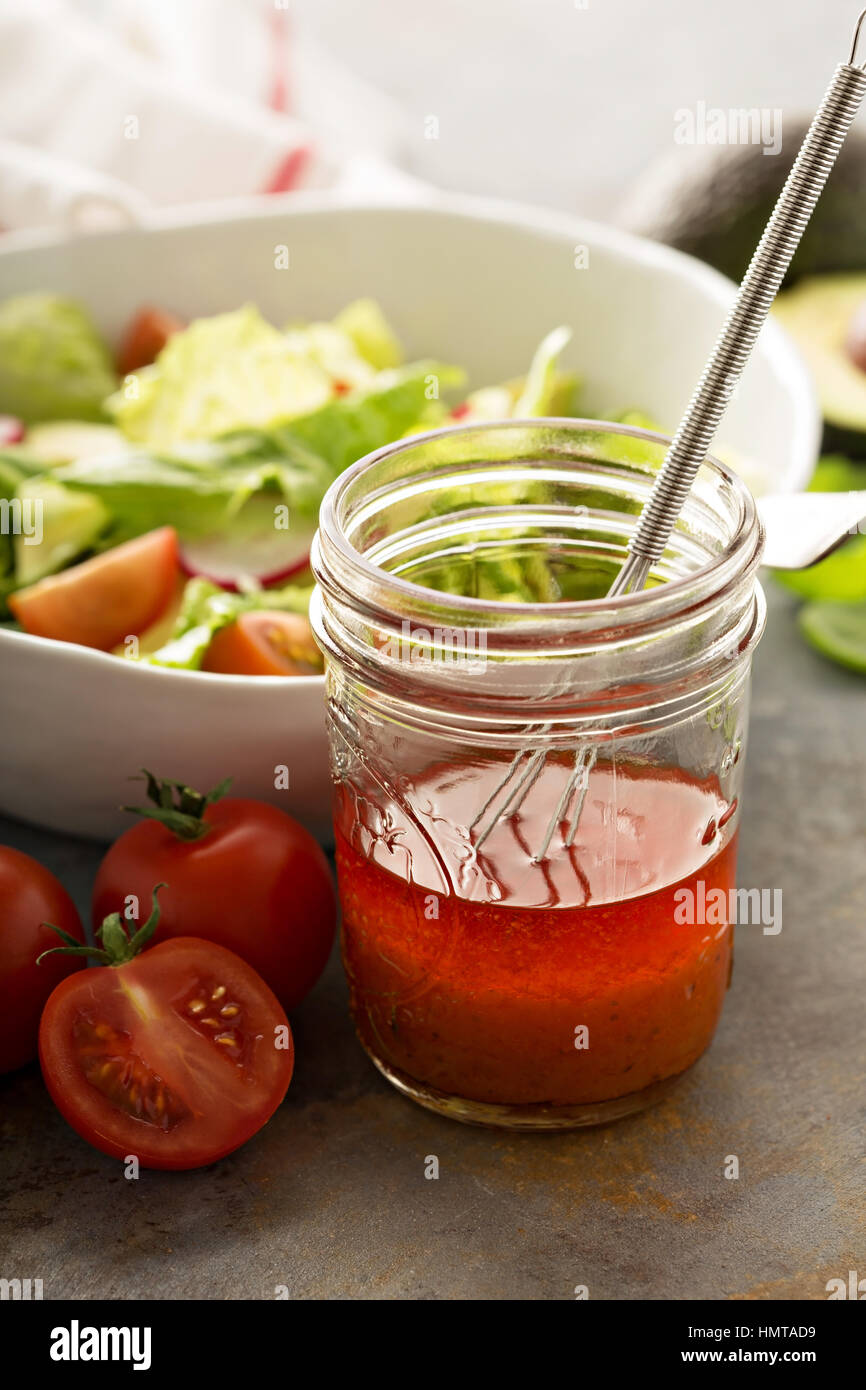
x=263 y=558
x=11 y=430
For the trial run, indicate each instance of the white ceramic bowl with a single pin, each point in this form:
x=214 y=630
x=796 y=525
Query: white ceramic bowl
x=473 y=282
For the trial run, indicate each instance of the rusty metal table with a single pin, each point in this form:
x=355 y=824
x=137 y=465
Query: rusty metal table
x=331 y=1199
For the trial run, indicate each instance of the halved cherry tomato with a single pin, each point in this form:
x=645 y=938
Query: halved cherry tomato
x=264 y=643
x=238 y=872
x=29 y=896
x=145 y=338
x=104 y=600
x=178 y=1056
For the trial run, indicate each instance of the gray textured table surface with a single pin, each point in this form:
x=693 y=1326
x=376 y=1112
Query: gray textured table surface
x=331 y=1199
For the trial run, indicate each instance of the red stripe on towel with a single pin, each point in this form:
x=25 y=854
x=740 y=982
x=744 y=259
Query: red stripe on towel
x=279 y=98
x=289 y=171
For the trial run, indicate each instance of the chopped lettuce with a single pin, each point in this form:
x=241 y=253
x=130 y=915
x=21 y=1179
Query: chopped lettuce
x=350 y=426
x=234 y=417
x=638 y=419
x=334 y=352
x=358 y=344
x=487 y=403
x=545 y=390
x=311 y=389
x=205 y=608
x=510 y=574
x=53 y=364
x=231 y=372
x=622 y=447
x=366 y=325
x=201 y=489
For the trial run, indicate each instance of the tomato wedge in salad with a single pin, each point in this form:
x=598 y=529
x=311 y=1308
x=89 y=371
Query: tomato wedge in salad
x=102 y=601
x=264 y=643
x=145 y=338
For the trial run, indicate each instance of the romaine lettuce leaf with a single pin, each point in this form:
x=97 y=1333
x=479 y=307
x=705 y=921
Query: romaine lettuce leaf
x=545 y=390
x=206 y=608
x=333 y=351
x=371 y=333
x=199 y=489
x=231 y=372
x=623 y=448
x=350 y=426
x=309 y=390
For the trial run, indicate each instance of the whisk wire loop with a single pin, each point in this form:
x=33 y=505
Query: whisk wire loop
x=690 y=445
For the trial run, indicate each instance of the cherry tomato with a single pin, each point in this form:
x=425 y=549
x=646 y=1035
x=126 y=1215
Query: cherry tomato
x=101 y=601
x=145 y=338
x=29 y=896
x=264 y=644
x=178 y=1056
x=238 y=872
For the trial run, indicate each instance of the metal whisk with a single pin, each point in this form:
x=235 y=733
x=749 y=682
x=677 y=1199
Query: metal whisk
x=692 y=440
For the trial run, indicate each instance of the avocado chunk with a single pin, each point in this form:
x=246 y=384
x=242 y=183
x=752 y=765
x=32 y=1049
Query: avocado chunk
x=56 y=525
x=826 y=317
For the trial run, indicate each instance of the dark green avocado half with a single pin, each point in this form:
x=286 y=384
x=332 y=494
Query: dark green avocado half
x=714 y=201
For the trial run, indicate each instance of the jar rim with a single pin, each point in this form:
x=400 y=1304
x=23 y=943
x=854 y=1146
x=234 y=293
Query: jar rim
x=741 y=554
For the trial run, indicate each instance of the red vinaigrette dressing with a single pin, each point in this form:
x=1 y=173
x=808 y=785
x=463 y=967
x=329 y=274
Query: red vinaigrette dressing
x=475 y=973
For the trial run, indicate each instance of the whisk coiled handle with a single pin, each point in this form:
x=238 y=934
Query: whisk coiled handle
x=760 y=285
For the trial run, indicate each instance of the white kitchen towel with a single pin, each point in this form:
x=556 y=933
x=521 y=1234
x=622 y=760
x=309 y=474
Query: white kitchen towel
x=110 y=107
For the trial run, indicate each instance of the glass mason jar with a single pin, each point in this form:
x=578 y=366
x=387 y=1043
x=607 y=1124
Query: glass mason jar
x=537 y=788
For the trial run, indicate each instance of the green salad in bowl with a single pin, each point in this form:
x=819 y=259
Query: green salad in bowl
x=161 y=503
